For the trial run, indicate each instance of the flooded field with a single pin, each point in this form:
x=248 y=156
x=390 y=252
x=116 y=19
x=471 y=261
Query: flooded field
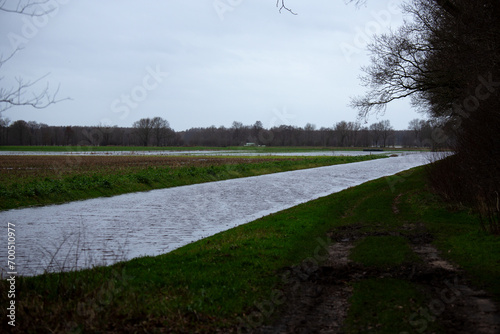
x=106 y=230
x=190 y=153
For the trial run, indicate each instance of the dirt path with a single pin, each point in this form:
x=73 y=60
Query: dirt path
x=317 y=300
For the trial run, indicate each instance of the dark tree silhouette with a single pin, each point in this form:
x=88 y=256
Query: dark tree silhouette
x=447 y=60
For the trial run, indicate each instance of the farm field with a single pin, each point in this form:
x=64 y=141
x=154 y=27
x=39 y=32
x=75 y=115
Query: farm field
x=39 y=180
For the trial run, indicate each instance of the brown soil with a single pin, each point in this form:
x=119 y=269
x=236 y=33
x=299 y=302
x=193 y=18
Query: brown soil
x=317 y=299
x=20 y=166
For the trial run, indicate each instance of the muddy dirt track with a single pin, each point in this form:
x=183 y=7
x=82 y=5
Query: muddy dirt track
x=317 y=299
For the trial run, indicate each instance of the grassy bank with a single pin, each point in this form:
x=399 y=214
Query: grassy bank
x=238 y=276
x=41 y=180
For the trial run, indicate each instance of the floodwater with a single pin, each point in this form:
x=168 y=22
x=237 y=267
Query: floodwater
x=196 y=153
x=103 y=231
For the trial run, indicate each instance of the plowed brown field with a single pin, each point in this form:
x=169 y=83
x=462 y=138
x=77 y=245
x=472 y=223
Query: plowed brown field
x=22 y=167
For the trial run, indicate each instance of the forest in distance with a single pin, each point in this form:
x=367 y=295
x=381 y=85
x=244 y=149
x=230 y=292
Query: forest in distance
x=157 y=132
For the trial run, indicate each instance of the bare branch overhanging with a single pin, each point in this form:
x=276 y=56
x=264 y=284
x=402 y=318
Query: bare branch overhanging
x=29 y=8
x=22 y=94
x=281 y=5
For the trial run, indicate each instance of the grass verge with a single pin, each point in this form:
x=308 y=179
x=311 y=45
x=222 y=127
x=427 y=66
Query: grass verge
x=216 y=283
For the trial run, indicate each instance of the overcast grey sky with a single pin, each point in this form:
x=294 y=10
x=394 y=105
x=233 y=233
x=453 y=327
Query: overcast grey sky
x=198 y=63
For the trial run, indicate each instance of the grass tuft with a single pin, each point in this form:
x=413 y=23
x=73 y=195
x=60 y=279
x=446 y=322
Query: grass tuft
x=383 y=252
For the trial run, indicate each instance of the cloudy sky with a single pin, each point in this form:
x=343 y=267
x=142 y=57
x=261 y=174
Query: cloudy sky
x=197 y=63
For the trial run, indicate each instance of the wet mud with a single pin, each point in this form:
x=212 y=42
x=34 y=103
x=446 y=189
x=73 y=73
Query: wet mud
x=317 y=300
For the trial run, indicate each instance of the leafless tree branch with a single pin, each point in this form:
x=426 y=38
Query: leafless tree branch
x=358 y=3
x=23 y=7
x=22 y=94
x=281 y=5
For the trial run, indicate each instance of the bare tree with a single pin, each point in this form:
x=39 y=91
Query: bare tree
x=238 y=132
x=144 y=130
x=161 y=129
x=23 y=94
x=375 y=132
x=256 y=132
x=354 y=128
x=20 y=131
x=417 y=126
x=429 y=57
x=387 y=132
x=105 y=133
x=155 y=128
x=381 y=131
x=342 y=131
x=4 y=130
x=309 y=130
x=396 y=70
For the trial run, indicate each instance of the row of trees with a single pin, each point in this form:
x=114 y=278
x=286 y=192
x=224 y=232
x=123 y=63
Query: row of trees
x=144 y=132
x=157 y=132
x=342 y=134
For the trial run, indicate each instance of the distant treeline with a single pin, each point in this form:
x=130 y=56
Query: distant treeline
x=157 y=132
